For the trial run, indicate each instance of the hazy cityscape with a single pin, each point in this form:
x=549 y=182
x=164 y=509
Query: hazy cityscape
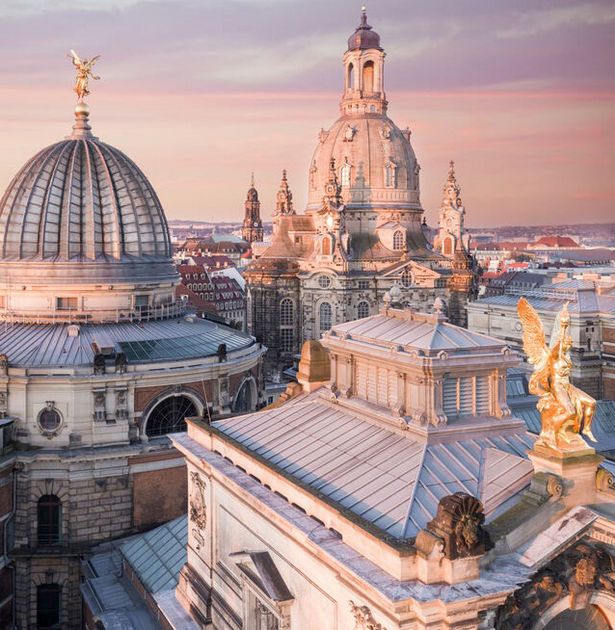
x=307 y=315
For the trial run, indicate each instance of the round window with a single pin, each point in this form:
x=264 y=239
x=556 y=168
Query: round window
x=49 y=420
x=324 y=282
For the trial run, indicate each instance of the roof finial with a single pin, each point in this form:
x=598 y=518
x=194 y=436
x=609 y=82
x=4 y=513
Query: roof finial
x=363 y=15
x=252 y=180
x=84 y=72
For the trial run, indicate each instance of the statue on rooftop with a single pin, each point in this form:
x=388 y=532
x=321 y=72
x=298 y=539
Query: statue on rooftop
x=565 y=410
x=84 y=72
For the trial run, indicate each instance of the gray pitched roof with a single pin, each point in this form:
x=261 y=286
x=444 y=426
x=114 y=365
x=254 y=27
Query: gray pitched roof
x=418 y=334
x=392 y=480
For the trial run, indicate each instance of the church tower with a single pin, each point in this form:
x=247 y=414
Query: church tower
x=252 y=229
x=284 y=197
x=449 y=239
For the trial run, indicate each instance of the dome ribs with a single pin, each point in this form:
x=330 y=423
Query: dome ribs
x=33 y=206
x=49 y=223
x=112 y=219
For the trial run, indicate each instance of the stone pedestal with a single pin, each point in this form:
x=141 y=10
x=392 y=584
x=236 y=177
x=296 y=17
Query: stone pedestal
x=576 y=468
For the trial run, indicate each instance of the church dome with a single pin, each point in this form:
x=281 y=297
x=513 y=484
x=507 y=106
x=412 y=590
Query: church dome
x=82 y=200
x=375 y=163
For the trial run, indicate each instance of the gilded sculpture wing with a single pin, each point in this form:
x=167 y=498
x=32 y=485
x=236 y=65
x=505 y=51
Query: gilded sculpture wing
x=75 y=57
x=534 y=342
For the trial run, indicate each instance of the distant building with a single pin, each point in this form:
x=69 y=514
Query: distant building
x=220 y=295
x=215 y=244
x=362 y=230
x=554 y=242
x=252 y=229
x=517 y=280
x=592 y=314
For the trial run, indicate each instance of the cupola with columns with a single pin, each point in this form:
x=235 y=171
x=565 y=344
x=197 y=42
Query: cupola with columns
x=364 y=68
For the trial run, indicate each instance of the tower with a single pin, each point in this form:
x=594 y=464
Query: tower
x=252 y=229
x=284 y=197
x=449 y=239
x=364 y=72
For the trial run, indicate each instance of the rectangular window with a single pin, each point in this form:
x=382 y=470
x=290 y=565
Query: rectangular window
x=66 y=303
x=458 y=396
x=141 y=301
x=363 y=284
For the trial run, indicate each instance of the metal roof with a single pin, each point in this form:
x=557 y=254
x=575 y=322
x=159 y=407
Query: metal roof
x=51 y=345
x=157 y=556
x=421 y=333
x=392 y=480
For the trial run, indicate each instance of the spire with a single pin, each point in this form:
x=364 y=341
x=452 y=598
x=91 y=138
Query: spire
x=333 y=190
x=284 y=198
x=451 y=195
x=252 y=180
x=364 y=23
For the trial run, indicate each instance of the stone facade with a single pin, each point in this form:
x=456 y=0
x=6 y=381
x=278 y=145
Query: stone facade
x=361 y=233
x=310 y=513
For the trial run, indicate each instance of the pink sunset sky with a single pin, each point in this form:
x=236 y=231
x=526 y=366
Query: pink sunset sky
x=520 y=93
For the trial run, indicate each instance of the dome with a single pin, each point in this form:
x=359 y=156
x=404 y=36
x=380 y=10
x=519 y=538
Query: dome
x=252 y=194
x=82 y=200
x=374 y=160
x=364 y=36
x=83 y=232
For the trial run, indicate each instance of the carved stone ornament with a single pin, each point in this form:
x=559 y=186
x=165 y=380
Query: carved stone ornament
x=458 y=523
x=575 y=574
x=198 y=508
x=363 y=618
x=349 y=133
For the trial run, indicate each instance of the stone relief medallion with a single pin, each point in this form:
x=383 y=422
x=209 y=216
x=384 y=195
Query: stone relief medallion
x=198 y=508
x=363 y=618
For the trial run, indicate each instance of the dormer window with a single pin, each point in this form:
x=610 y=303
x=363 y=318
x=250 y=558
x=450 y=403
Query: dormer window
x=399 y=241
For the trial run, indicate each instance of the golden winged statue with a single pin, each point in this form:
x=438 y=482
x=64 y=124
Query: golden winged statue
x=565 y=410
x=84 y=72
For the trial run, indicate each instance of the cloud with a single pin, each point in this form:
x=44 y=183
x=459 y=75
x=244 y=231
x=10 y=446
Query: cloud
x=543 y=21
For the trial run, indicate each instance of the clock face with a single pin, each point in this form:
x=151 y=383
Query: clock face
x=255 y=223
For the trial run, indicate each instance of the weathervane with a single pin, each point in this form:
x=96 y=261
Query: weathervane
x=84 y=72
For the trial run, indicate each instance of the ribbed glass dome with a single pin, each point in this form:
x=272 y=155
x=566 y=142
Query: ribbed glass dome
x=83 y=236
x=81 y=200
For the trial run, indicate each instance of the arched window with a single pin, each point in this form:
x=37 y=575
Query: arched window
x=287 y=324
x=350 y=77
x=169 y=415
x=368 y=77
x=363 y=310
x=325 y=313
x=287 y=312
x=48 y=599
x=398 y=240
x=345 y=175
x=326 y=246
x=49 y=519
x=447 y=250
x=406 y=278
x=246 y=397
